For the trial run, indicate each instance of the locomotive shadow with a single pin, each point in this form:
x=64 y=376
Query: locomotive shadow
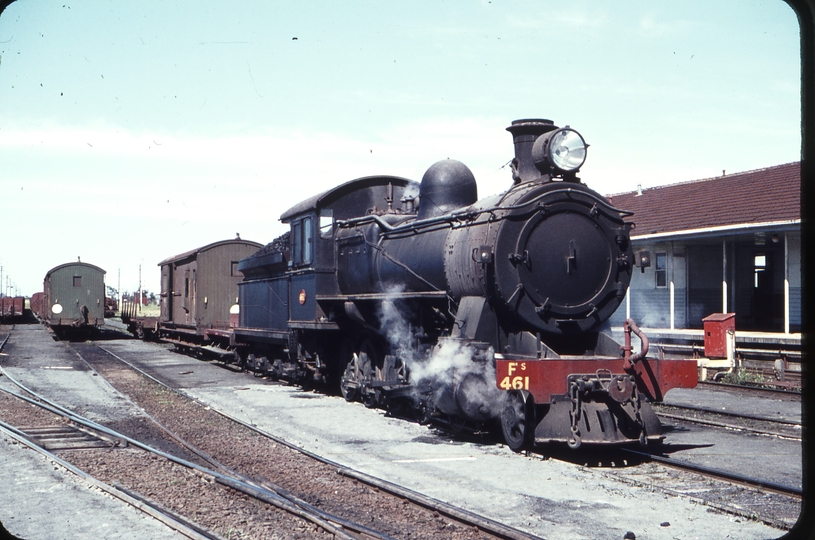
x=603 y=456
x=613 y=457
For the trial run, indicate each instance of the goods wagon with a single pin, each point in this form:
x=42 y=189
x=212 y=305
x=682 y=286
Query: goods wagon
x=74 y=299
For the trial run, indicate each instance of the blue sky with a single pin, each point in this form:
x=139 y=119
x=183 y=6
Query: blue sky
x=134 y=131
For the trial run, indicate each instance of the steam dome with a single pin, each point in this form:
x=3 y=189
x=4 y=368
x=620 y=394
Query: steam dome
x=446 y=186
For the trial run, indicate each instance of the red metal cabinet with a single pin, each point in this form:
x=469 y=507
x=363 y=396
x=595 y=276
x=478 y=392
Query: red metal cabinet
x=716 y=327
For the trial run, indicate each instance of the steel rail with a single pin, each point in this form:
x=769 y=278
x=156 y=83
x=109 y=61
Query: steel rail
x=175 y=522
x=783 y=489
x=737 y=388
x=734 y=414
x=189 y=446
x=6 y=339
x=238 y=483
x=483 y=523
x=458 y=513
x=252 y=482
x=713 y=423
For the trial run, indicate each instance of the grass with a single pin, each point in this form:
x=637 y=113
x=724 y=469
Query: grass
x=741 y=377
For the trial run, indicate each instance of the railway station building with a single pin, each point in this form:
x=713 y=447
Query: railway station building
x=729 y=244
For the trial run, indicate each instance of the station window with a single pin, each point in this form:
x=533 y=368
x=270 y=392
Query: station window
x=233 y=270
x=759 y=266
x=77 y=281
x=661 y=269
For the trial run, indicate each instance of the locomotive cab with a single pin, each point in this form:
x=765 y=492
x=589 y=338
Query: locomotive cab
x=291 y=304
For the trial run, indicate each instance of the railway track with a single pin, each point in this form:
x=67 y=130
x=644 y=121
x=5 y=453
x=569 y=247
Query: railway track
x=741 y=496
x=421 y=513
x=742 y=479
x=720 y=490
x=780 y=393
x=27 y=437
x=757 y=497
x=5 y=339
x=716 y=482
x=772 y=423
x=715 y=493
x=169 y=518
x=788 y=429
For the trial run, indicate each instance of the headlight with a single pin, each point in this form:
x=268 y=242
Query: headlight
x=563 y=149
x=56 y=309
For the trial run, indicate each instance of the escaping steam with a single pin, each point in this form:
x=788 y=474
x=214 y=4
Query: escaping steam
x=460 y=374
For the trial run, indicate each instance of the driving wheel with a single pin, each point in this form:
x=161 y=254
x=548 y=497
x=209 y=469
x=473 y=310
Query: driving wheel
x=517 y=419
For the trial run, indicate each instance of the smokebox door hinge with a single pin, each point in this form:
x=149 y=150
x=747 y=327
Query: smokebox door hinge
x=516 y=258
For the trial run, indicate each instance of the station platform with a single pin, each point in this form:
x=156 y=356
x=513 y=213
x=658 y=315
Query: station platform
x=748 y=344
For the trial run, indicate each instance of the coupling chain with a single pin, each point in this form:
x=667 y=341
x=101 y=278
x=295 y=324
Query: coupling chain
x=637 y=414
x=575 y=413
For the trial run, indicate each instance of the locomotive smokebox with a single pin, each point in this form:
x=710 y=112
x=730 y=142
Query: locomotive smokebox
x=524 y=134
x=446 y=186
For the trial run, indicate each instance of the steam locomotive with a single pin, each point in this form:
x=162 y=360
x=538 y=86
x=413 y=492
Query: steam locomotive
x=466 y=310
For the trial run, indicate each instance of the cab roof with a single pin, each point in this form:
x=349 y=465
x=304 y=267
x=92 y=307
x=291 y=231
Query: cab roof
x=327 y=198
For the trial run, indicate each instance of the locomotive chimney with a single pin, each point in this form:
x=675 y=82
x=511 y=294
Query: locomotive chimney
x=524 y=133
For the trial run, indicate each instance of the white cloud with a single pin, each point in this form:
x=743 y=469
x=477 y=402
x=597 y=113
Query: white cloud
x=650 y=26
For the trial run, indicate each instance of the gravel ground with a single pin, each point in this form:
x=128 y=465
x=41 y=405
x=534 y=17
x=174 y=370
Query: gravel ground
x=218 y=508
x=554 y=499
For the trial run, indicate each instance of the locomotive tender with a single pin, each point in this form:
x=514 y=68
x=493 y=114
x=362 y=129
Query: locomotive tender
x=468 y=310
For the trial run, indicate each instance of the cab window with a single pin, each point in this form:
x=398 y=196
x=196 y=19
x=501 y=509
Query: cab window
x=326 y=223
x=308 y=240
x=302 y=241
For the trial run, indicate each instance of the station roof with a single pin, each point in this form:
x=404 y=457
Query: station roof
x=768 y=197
